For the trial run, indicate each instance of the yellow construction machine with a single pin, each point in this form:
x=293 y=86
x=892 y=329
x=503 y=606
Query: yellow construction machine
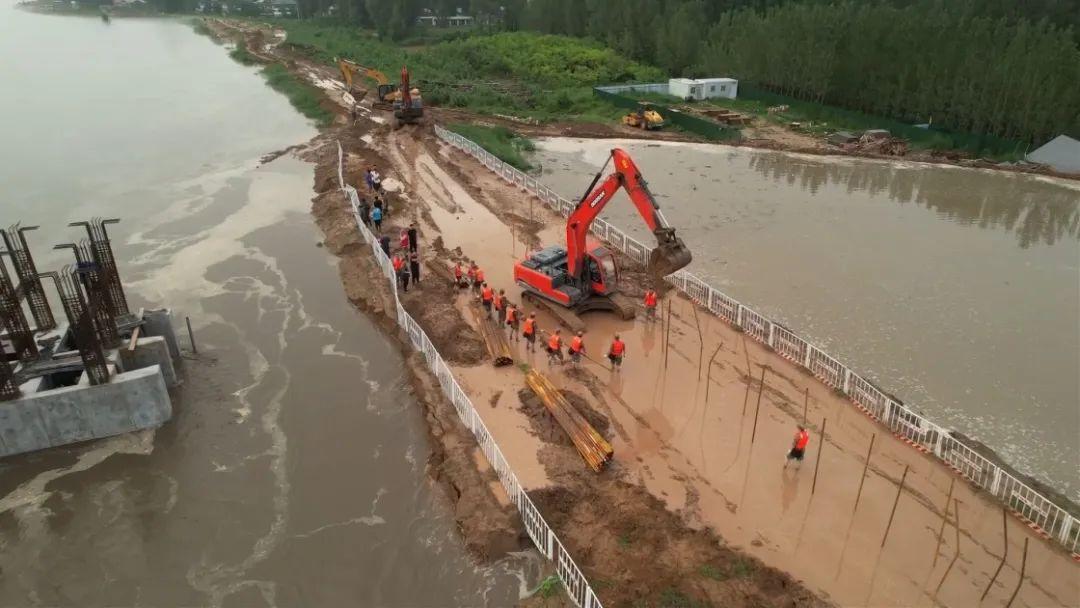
x=350 y=70
x=644 y=118
x=403 y=100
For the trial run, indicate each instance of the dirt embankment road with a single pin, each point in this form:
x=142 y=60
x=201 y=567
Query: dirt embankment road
x=697 y=506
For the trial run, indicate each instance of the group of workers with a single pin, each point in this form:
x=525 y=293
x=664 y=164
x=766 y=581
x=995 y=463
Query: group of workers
x=406 y=257
x=510 y=315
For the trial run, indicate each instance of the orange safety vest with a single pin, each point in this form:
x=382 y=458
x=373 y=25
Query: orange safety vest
x=398 y=263
x=801 y=440
x=555 y=343
x=472 y=272
x=530 y=327
x=650 y=299
x=617 y=348
x=486 y=294
x=576 y=344
x=457 y=272
x=479 y=276
x=511 y=314
x=499 y=302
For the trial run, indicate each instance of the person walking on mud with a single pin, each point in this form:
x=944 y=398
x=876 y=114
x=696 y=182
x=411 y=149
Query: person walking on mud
x=798 y=447
x=414 y=239
x=512 y=321
x=499 y=304
x=376 y=217
x=399 y=270
x=487 y=296
x=384 y=244
x=367 y=178
x=576 y=349
x=478 y=279
x=650 y=305
x=459 y=272
x=414 y=266
x=529 y=332
x=554 y=347
x=616 y=352
x=364 y=211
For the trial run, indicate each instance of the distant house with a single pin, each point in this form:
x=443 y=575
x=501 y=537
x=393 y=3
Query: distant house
x=703 y=88
x=459 y=20
x=429 y=20
x=1062 y=153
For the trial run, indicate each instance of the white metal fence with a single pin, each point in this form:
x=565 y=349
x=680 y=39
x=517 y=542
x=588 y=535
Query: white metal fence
x=1026 y=502
x=541 y=534
x=658 y=87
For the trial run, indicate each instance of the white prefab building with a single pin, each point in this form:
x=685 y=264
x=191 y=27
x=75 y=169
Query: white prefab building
x=703 y=88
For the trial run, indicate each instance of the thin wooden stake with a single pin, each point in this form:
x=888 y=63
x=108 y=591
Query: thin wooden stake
x=667 y=334
x=746 y=395
x=708 y=375
x=817 y=463
x=866 y=466
x=944 y=518
x=191 y=335
x=899 y=491
x=701 y=340
x=1004 y=556
x=757 y=410
x=956 y=524
x=1023 y=567
x=806 y=404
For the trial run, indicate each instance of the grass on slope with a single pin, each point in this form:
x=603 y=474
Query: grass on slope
x=500 y=141
x=516 y=73
x=306 y=98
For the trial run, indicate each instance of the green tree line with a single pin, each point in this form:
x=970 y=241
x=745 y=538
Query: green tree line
x=984 y=68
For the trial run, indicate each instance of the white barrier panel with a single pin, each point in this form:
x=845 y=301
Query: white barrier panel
x=541 y=534
x=901 y=420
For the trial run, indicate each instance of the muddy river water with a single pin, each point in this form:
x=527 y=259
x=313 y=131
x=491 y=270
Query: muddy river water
x=958 y=290
x=292 y=472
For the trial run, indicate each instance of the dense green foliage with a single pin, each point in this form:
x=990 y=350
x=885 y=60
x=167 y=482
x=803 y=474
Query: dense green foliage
x=500 y=141
x=305 y=97
x=514 y=73
x=950 y=61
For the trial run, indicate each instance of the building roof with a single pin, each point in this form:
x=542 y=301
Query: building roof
x=1062 y=153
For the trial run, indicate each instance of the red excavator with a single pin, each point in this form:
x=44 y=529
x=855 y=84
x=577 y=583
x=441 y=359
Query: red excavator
x=583 y=275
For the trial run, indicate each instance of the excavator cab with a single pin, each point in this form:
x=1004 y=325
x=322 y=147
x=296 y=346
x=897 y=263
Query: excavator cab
x=601 y=271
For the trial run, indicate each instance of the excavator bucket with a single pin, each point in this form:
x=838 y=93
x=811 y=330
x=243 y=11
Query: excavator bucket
x=670 y=255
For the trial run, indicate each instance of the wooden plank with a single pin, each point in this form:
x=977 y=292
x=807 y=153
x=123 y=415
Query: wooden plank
x=594 y=449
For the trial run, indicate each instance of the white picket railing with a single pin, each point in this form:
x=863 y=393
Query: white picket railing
x=1054 y=521
x=541 y=534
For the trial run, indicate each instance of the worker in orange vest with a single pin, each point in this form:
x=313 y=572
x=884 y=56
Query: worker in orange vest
x=798 y=447
x=478 y=280
x=399 y=271
x=487 y=295
x=499 y=304
x=554 y=347
x=616 y=352
x=472 y=275
x=512 y=320
x=458 y=272
x=577 y=346
x=529 y=332
x=650 y=305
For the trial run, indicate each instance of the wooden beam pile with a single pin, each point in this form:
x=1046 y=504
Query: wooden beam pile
x=494 y=338
x=589 y=443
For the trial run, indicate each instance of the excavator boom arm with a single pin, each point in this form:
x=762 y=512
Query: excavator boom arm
x=670 y=255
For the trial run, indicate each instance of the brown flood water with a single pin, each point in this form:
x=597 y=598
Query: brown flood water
x=293 y=471
x=958 y=290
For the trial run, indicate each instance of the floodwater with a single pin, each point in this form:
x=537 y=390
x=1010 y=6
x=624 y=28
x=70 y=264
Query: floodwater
x=957 y=290
x=292 y=472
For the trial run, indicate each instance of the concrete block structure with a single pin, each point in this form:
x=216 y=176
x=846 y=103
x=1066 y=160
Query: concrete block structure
x=131 y=401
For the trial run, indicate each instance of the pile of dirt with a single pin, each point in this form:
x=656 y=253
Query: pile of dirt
x=432 y=305
x=640 y=554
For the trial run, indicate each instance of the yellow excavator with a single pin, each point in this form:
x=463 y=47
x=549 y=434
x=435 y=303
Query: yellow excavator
x=644 y=118
x=403 y=100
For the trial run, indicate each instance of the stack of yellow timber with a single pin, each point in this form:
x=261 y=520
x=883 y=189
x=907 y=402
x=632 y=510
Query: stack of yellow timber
x=494 y=338
x=590 y=444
